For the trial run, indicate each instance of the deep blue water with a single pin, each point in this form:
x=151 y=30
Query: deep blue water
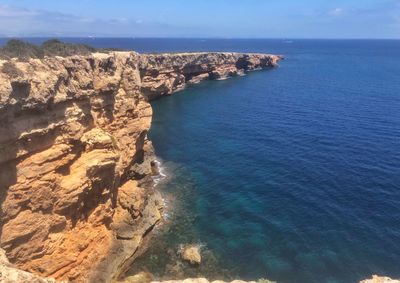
x=296 y=170
x=291 y=174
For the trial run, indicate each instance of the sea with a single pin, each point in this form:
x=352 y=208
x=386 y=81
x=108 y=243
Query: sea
x=290 y=174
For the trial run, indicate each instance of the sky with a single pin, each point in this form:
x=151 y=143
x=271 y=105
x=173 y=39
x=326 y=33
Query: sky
x=201 y=18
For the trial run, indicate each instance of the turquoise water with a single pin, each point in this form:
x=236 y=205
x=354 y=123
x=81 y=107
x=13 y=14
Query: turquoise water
x=291 y=174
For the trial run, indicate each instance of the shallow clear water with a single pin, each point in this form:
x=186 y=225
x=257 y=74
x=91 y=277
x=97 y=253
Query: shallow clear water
x=291 y=174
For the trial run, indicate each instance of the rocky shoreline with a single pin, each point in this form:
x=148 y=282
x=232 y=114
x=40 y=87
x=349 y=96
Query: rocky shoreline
x=77 y=200
x=77 y=196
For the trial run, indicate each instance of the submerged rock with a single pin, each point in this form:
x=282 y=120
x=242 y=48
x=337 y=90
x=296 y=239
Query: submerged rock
x=142 y=277
x=202 y=280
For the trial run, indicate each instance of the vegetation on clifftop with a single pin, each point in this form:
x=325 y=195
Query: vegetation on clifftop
x=15 y=48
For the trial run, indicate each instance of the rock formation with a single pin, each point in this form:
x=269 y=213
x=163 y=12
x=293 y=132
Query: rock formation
x=375 y=279
x=378 y=279
x=191 y=254
x=166 y=73
x=10 y=274
x=203 y=280
x=76 y=199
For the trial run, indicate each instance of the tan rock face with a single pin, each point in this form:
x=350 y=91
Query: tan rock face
x=73 y=133
x=141 y=277
x=191 y=254
x=166 y=73
x=11 y=274
x=70 y=130
x=378 y=279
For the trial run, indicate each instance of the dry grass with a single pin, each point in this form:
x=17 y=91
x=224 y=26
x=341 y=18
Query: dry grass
x=10 y=69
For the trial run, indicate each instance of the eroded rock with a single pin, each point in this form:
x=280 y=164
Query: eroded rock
x=379 y=279
x=73 y=133
x=10 y=274
x=142 y=277
x=191 y=254
x=203 y=280
x=164 y=74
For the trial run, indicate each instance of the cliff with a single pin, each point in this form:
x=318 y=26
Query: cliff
x=75 y=189
x=166 y=73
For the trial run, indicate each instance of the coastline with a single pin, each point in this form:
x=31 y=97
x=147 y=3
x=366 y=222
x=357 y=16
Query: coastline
x=78 y=125
x=66 y=103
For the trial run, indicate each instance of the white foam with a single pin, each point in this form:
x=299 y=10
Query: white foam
x=161 y=173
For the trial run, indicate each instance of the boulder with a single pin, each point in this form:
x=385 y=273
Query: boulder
x=378 y=279
x=142 y=277
x=191 y=254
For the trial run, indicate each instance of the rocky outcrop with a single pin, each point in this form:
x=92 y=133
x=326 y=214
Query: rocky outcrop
x=378 y=279
x=164 y=74
x=147 y=278
x=375 y=279
x=10 y=274
x=191 y=254
x=203 y=280
x=76 y=200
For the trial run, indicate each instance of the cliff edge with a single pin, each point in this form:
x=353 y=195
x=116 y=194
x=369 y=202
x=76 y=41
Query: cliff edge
x=75 y=163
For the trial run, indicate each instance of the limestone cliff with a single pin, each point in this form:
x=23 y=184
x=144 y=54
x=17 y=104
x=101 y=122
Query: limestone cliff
x=164 y=74
x=76 y=197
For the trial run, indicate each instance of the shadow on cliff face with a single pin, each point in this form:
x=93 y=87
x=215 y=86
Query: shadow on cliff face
x=243 y=63
x=108 y=104
x=15 y=148
x=20 y=89
x=8 y=146
x=27 y=129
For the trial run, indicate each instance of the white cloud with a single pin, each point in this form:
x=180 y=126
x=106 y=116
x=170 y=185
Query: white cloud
x=15 y=21
x=336 y=12
x=7 y=11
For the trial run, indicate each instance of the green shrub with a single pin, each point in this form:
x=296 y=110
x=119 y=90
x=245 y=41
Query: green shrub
x=22 y=50
x=55 y=47
x=15 y=48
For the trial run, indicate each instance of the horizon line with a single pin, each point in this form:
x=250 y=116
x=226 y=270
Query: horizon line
x=208 y=38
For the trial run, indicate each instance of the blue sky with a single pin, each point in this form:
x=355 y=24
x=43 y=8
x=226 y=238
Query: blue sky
x=202 y=18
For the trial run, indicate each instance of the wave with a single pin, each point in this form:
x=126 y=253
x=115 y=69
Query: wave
x=161 y=173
